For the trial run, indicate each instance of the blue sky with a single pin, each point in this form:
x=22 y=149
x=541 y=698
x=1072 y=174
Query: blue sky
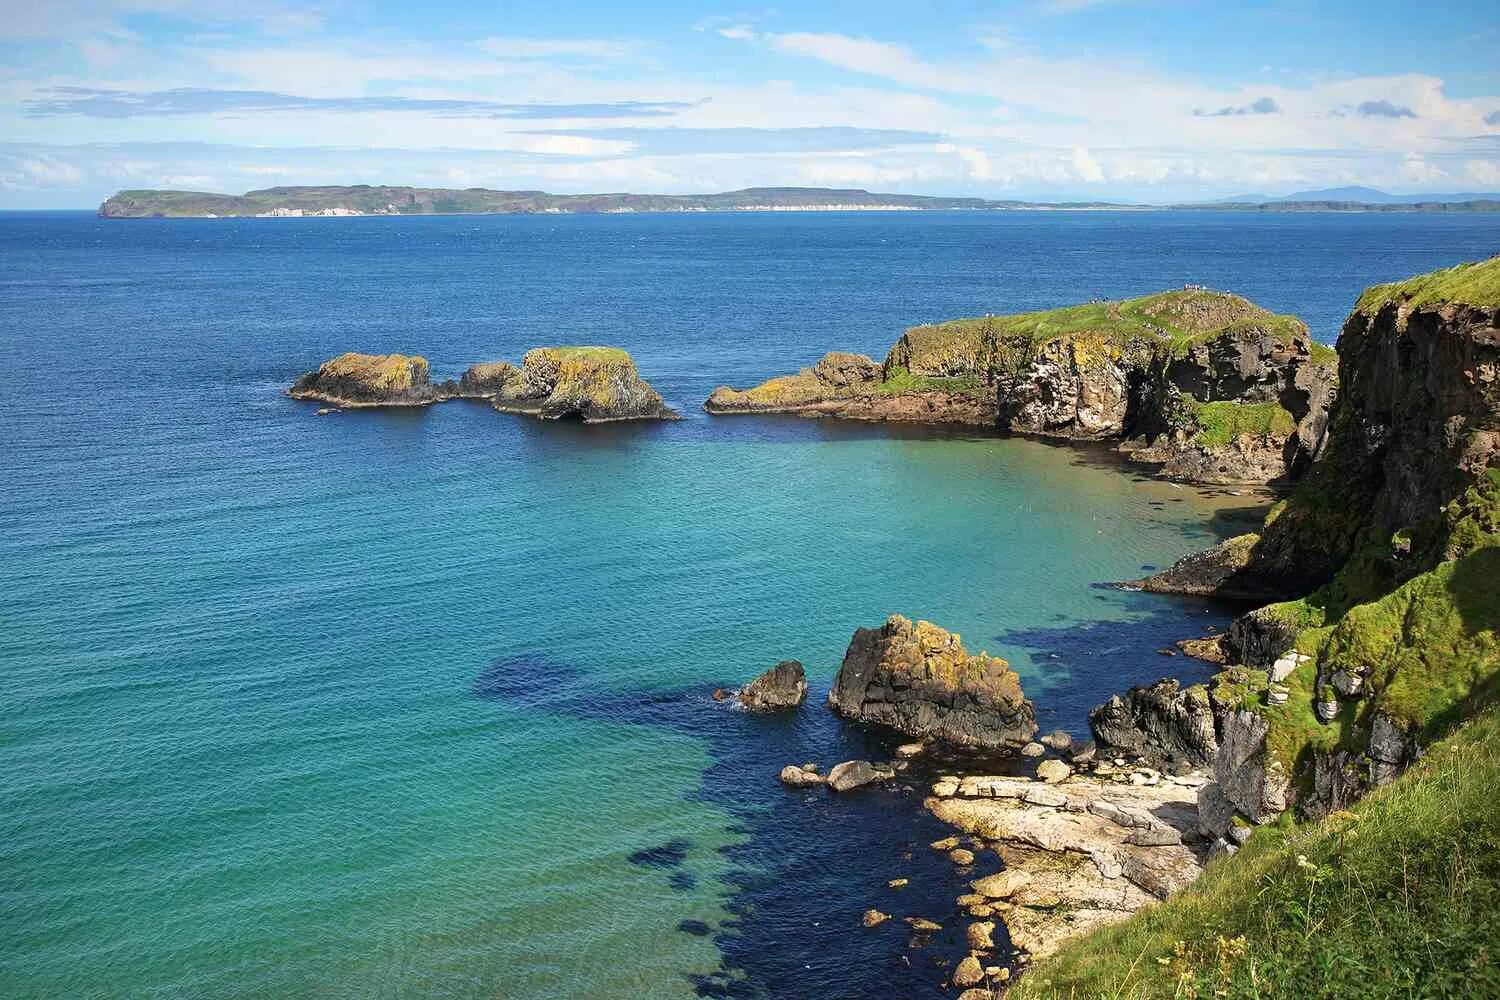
x=1157 y=100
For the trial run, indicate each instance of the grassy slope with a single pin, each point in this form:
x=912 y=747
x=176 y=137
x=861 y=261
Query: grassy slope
x=1400 y=897
x=1476 y=284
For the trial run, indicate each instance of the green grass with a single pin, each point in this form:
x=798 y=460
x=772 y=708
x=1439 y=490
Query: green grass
x=1219 y=423
x=1398 y=897
x=1475 y=284
x=1172 y=322
x=899 y=381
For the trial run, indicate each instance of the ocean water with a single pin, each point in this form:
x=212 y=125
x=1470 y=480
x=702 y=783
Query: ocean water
x=419 y=703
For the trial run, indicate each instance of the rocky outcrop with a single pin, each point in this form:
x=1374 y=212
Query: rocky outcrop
x=487 y=379
x=1219 y=571
x=918 y=679
x=853 y=387
x=1080 y=854
x=1163 y=722
x=593 y=384
x=359 y=380
x=783 y=686
x=1205 y=385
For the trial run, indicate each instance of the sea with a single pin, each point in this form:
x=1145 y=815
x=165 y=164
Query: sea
x=420 y=702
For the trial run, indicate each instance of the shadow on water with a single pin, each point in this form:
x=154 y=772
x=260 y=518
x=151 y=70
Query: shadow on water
x=1074 y=662
x=811 y=863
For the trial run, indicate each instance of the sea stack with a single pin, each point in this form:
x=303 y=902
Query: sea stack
x=918 y=679
x=356 y=380
x=593 y=384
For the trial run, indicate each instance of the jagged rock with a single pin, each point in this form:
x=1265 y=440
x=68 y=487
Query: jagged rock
x=783 y=686
x=1209 y=650
x=1001 y=885
x=1083 y=753
x=1163 y=722
x=1033 y=749
x=946 y=844
x=919 y=680
x=874 y=918
x=852 y=774
x=594 y=384
x=801 y=777
x=898 y=883
x=961 y=856
x=981 y=936
x=360 y=380
x=924 y=926
x=1219 y=571
x=1261 y=637
x=1249 y=775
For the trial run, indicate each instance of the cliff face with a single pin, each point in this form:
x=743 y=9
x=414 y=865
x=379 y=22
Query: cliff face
x=1207 y=385
x=918 y=679
x=595 y=384
x=1386 y=558
x=357 y=380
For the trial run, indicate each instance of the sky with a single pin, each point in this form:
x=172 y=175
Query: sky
x=1143 y=100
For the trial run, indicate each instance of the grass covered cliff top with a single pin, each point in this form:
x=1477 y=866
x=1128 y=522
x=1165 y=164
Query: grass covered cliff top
x=602 y=356
x=1474 y=284
x=1176 y=319
x=1399 y=896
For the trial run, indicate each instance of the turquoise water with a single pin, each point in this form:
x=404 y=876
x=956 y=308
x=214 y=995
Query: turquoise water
x=418 y=702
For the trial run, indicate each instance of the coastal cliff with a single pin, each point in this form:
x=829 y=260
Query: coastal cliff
x=1385 y=631
x=593 y=384
x=1205 y=385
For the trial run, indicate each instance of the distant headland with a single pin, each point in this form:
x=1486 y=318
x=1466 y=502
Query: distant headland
x=364 y=199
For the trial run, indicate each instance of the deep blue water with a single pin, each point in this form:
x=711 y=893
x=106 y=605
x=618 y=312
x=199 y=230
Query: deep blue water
x=418 y=702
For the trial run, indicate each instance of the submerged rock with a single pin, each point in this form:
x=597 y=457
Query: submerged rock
x=783 y=686
x=594 y=384
x=360 y=380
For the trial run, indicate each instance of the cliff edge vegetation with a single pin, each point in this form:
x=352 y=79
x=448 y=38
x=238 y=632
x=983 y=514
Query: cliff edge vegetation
x=1206 y=385
x=1397 y=896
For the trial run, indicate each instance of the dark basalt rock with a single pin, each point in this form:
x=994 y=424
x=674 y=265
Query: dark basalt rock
x=783 y=686
x=919 y=680
x=1163 y=722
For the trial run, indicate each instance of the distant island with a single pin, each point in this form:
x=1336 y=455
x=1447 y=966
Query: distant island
x=364 y=199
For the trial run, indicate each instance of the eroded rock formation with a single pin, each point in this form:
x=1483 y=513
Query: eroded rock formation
x=359 y=380
x=918 y=679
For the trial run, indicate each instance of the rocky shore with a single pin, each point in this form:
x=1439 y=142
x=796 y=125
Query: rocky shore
x=592 y=384
x=1206 y=386
x=1383 y=634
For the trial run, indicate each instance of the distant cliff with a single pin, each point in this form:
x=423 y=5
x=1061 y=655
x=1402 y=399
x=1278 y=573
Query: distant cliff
x=364 y=199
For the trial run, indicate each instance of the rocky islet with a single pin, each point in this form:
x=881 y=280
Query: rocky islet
x=592 y=384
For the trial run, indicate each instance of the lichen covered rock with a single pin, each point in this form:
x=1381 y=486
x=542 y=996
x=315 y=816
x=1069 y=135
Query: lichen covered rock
x=594 y=384
x=487 y=379
x=918 y=679
x=357 y=380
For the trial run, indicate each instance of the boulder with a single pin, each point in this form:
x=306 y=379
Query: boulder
x=1052 y=771
x=1057 y=740
x=855 y=773
x=783 y=686
x=801 y=777
x=981 y=936
x=968 y=973
x=1002 y=885
x=918 y=679
x=874 y=918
